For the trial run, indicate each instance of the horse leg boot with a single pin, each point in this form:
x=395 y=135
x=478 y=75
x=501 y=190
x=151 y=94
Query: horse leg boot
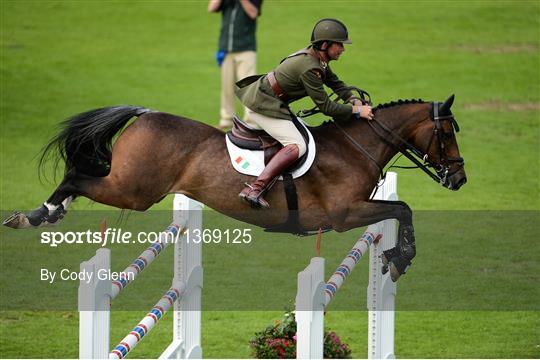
x=398 y=259
x=253 y=193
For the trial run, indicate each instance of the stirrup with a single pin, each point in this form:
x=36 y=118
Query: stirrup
x=253 y=201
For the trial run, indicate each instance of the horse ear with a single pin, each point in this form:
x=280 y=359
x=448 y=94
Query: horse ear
x=445 y=108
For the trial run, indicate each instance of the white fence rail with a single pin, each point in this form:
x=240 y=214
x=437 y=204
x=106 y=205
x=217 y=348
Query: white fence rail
x=314 y=294
x=185 y=294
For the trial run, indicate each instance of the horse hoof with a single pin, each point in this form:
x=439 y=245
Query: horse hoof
x=17 y=220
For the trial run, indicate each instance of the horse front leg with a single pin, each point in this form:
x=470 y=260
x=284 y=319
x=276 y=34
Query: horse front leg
x=398 y=259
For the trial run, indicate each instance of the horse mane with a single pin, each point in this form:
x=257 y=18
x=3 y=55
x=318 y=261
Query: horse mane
x=398 y=102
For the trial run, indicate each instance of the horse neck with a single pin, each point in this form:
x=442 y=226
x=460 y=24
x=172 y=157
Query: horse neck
x=402 y=120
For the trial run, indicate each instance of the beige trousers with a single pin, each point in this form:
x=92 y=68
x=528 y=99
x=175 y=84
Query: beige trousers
x=282 y=130
x=235 y=66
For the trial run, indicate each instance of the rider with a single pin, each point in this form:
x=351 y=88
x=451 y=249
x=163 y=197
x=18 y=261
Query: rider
x=299 y=75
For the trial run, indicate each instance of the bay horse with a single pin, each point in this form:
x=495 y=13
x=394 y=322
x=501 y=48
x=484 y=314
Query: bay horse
x=160 y=153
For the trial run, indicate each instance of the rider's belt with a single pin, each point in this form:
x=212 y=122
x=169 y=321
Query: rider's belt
x=271 y=76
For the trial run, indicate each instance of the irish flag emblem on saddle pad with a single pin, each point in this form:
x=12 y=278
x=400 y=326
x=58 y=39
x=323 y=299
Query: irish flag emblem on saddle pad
x=243 y=163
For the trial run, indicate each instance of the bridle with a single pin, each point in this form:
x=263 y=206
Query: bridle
x=441 y=167
x=438 y=170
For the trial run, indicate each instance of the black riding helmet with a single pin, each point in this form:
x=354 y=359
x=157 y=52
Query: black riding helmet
x=330 y=30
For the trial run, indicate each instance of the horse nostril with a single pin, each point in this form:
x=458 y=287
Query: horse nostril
x=458 y=184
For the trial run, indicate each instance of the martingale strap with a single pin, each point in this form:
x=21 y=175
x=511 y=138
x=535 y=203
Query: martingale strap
x=361 y=148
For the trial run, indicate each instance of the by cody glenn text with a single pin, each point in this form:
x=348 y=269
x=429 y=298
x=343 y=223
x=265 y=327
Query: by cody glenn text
x=83 y=275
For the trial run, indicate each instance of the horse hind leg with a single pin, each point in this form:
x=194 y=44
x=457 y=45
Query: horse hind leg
x=49 y=213
x=105 y=190
x=42 y=216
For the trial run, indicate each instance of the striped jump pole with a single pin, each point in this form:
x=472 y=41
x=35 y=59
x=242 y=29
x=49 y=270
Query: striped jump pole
x=131 y=340
x=314 y=294
x=95 y=297
x=133 y=270
x=349 y=263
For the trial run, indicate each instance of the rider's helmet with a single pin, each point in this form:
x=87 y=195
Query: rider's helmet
x=330 y=30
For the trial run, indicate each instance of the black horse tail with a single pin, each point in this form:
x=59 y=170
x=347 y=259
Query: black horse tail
x=85 y=140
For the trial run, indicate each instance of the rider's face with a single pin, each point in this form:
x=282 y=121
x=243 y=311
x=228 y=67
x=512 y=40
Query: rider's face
x=335 y=50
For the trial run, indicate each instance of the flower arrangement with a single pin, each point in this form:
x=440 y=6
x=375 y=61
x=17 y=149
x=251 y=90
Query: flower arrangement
x=278 y=341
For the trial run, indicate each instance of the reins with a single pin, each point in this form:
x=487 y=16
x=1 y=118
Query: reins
x=405 y=148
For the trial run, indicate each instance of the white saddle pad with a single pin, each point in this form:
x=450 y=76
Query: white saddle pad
x=251 y=162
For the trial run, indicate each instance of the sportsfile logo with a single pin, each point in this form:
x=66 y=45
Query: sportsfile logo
x=109 y=236
x=171 y=235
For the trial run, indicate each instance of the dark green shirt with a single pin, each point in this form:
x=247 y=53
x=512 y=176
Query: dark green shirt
x=237 y=28
x=298 y=76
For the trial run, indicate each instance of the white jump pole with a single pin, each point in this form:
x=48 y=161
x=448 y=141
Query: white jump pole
x=186 y=342
x=381 y=290
x=135 y=336
x=314 y=294
x=94 y=309
x=310 y=303
x=95 y=298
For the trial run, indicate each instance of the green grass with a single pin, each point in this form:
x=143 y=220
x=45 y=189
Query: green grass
x=480 y=260
x=458 y=335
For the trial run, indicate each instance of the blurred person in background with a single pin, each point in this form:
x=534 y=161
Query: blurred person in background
x=237 y=48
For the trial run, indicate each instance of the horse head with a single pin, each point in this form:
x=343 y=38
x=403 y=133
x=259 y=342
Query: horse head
x=436 y=138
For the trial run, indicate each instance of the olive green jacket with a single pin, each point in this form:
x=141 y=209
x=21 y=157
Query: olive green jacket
x=298 y=75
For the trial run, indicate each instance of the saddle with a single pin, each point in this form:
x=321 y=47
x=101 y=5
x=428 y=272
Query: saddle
x=247 y=137
x=251 y=149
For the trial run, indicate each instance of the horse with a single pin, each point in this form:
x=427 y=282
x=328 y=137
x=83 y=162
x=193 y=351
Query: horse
x=160 y=153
